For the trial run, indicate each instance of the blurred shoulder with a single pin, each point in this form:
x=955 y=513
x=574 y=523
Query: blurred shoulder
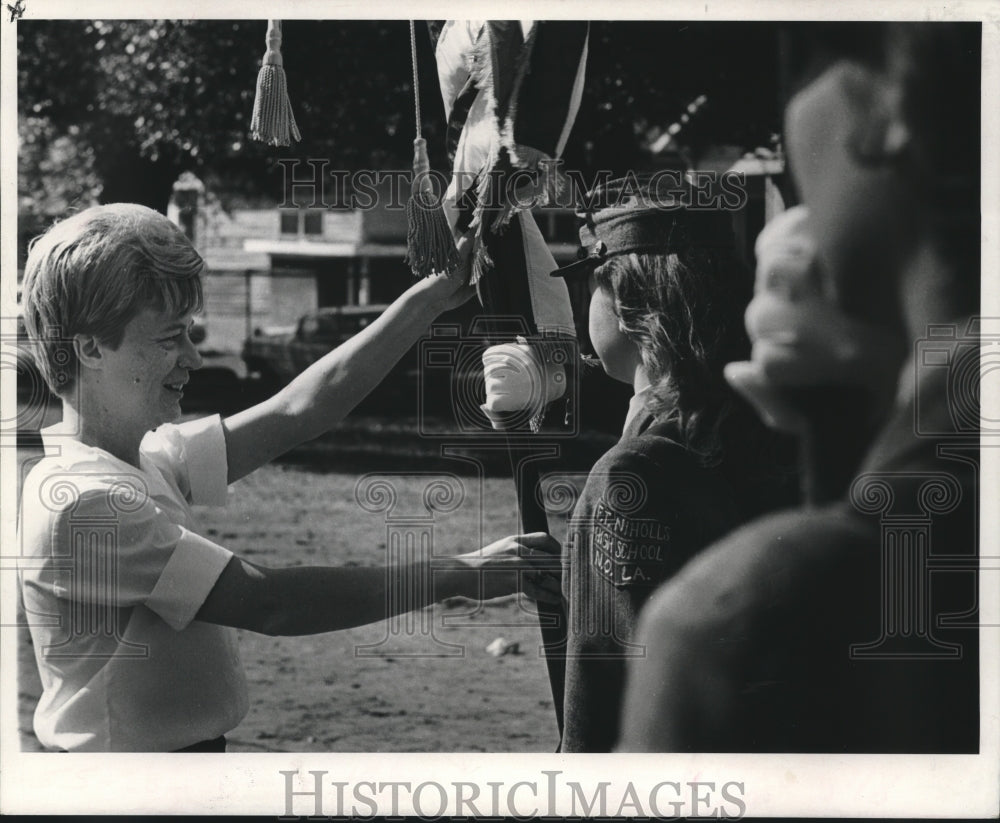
x=768 y=564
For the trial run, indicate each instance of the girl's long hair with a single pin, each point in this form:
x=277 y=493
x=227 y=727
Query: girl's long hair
x=685 y=311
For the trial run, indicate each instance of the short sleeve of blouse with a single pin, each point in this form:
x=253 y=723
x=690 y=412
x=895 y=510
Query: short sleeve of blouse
x=194 y=453
x=117 y=549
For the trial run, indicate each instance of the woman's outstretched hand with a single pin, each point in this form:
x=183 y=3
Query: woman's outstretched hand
x=529 y=563
x=449 y=291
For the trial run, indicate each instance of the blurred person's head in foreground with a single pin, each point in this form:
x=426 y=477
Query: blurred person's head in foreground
x=746 y=647
x=883 y=141
x=803 y=341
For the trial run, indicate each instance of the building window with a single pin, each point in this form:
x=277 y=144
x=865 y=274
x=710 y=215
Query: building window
x=289 y=222
x=313 y=222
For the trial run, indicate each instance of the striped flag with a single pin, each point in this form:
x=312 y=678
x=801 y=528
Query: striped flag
x=511 y=91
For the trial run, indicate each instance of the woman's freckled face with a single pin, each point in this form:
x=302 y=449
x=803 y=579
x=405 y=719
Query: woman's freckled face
x=145 y=375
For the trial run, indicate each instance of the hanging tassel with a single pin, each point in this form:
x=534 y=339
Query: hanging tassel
x=430 y=245
x=273 y=121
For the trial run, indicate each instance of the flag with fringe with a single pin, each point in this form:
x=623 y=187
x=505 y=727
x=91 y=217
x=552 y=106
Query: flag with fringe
x=511 y=91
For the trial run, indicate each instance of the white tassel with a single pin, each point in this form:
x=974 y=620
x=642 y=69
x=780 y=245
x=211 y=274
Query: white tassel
x=273 y=121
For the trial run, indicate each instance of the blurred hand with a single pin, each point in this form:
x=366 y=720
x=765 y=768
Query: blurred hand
x=529 y=563
x=517 y=379
x=800 y=336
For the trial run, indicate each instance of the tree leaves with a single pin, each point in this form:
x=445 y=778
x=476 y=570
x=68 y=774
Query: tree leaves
x=152 y=98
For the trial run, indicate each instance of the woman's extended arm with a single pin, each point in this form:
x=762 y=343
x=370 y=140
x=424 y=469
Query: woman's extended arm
x=325 y=392
x=313 y=599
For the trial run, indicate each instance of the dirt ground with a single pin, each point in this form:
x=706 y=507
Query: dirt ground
x=374 y=689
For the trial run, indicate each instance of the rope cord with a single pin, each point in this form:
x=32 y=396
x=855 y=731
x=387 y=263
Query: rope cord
x=416 y=79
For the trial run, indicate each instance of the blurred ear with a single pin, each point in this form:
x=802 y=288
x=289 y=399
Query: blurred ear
x=89 y=350
x=880 y=135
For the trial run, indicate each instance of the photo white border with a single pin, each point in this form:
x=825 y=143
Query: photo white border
x=775 y=785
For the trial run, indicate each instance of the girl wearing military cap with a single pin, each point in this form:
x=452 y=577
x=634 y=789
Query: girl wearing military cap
x=666 y=314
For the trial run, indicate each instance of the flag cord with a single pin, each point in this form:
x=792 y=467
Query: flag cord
x=416 y=79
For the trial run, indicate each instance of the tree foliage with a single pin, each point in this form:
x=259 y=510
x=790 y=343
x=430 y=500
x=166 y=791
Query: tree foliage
x=144 y=100
x=65 y=179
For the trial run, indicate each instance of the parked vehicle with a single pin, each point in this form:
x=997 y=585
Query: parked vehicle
x=276 y=355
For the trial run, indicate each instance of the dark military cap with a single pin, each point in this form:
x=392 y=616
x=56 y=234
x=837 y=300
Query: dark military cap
x=644 y=215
